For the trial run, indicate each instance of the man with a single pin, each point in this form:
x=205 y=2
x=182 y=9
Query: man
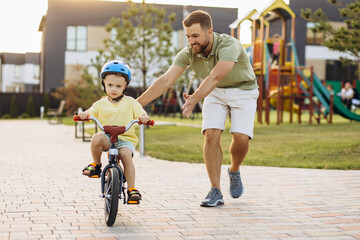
x=229 y=87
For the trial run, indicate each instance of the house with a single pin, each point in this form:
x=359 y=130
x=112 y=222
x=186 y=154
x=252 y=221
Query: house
x=326 y=63
x=19 y=72
x=73 y=32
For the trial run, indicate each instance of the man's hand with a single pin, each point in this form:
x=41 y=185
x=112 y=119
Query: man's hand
x=189 y=105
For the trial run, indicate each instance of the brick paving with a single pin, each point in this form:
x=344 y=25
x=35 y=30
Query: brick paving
x=44 y=196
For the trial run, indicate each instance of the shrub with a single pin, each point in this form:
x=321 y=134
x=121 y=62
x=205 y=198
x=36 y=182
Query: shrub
x=46 y=102
x=30 y=108
x=13 y=108
x=25 y=115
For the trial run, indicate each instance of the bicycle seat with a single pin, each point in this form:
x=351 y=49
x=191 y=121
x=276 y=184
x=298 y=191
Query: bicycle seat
x=114 y=131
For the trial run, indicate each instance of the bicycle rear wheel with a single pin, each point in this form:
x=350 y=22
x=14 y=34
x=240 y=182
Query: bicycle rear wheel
x=111 y=191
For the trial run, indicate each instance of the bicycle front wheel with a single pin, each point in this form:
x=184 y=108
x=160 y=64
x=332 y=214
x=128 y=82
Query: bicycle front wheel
x=111 y=191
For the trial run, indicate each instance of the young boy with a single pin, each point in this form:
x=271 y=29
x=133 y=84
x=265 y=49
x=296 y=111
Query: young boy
x=116 y=109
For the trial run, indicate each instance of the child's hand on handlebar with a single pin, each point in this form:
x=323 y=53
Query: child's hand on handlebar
x=83 y=115
x=144 y=118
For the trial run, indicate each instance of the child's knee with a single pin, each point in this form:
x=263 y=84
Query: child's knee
x=125 y=155
x=99 y=139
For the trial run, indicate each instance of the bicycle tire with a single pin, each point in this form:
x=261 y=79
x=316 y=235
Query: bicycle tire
x=111 y=191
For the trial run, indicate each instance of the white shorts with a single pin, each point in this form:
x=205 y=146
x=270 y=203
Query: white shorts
x=239 y=104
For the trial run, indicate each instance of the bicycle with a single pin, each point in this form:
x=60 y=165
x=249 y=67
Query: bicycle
x=112 y=177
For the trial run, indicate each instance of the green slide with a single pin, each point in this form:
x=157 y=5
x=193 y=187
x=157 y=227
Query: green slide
x=323 y=95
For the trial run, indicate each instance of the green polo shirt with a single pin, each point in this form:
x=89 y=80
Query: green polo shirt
x=225 y=48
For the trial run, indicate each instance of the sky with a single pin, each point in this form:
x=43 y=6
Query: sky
x=20 y=19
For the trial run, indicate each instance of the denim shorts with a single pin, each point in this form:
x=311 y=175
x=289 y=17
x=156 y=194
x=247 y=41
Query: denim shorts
x=123 y=144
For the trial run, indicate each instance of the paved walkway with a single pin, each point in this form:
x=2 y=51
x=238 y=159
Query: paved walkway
x=44 y=196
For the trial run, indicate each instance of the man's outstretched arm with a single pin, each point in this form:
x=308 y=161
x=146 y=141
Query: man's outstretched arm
x=160 y=85
x=221 y=69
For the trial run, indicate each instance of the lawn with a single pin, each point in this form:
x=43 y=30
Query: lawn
x=324 y=146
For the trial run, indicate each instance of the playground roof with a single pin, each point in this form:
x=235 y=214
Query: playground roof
x=277 y=6
x=238 y=21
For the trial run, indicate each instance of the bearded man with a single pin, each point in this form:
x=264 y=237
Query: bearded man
x=229 y=88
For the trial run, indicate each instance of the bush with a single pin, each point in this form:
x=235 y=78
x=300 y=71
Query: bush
x=13 y=108
x=46 y=102
x=30 y=108
x=6 y=116
x=25 y=115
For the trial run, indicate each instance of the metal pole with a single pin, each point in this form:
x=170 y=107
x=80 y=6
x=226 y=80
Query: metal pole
x=142 y=140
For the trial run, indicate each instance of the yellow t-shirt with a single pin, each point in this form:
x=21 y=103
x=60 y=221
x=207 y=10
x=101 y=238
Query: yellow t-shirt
x=118 y=114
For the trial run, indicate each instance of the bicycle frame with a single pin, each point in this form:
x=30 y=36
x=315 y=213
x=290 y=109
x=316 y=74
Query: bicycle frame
x=114 y=131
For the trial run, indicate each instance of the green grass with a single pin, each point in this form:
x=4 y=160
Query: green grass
x=324 y=146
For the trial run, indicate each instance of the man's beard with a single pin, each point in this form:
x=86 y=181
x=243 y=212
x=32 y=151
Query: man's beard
x=201 y=49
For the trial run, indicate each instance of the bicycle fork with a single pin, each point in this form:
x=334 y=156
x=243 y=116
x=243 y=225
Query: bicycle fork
x=113 y=153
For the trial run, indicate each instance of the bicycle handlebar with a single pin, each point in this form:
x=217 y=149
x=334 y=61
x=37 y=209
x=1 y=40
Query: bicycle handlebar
x=77 y=118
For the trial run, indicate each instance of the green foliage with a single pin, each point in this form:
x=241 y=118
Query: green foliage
x=25 y=115
x=46 y=102
x=343 y=39
x=30 y=108
x=83 y=93
x=142 y=39
x=13 y=108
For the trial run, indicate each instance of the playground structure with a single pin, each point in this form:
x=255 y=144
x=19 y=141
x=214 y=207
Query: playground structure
x=284 y=84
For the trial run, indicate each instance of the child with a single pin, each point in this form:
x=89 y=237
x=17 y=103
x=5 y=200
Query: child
x=347 y=94
x=276 y=50
x=116 y=109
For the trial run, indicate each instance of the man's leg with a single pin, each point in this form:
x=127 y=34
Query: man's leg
x=213 y=155
x=238 y=150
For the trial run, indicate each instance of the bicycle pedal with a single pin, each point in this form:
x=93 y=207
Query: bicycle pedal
x=133 y=202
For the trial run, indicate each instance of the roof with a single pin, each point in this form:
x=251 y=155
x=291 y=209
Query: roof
x=238 y=21
x=20 y=58
x=278 y=6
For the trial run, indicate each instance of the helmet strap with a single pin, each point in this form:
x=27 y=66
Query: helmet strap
x=118 y=98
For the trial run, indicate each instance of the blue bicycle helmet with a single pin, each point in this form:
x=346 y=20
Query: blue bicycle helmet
x=116 y=67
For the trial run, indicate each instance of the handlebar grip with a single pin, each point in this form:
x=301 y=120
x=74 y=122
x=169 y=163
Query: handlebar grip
x=77 y=118
x=150 y=122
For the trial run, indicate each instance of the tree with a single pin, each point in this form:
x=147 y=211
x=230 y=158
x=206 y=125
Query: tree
x=13 y=108
x=30 y=108
x=84 y=92
x=46 y=102
x=343 y=39
x=142 y=39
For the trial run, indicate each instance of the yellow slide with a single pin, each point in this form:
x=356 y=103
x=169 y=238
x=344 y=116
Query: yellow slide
x=286 y=102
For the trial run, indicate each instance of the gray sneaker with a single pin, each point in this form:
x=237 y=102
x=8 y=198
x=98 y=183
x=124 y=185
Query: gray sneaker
x=236 y=186
x=213 y=198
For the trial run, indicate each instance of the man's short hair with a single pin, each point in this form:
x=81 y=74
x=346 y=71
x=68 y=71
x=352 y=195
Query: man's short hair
x=198 y=16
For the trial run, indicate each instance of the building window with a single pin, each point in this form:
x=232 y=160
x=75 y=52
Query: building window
x=17 y=71
x=36 y=72
x=76 y=38
x=336 y=71
x=311 y=37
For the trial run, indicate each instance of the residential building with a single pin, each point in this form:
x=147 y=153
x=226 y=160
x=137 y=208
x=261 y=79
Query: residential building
x=19 y=72
x=73 y=32
x=326 y=62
